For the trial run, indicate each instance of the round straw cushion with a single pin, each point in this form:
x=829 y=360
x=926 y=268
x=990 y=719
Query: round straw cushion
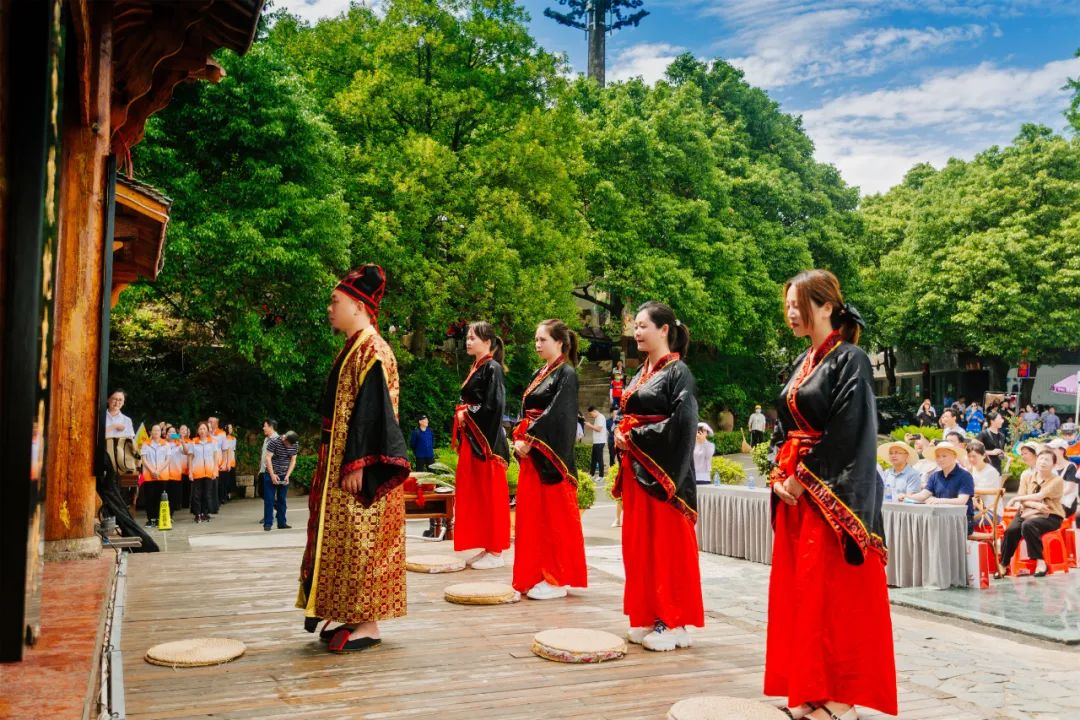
x=195 y=652
x=481 y=593
x=723 y=708
x=575 y=645
x=434 y=564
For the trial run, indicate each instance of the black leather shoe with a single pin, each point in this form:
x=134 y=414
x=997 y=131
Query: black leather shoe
x=284 y=527
x=267 y=528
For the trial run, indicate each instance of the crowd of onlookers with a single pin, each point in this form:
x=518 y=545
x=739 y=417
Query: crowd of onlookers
x=973 y=459
x=196 y=472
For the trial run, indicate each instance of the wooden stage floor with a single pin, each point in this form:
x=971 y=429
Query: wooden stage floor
x=442 y=661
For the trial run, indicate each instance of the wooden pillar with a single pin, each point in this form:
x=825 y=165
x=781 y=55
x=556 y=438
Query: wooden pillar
x=71 y=495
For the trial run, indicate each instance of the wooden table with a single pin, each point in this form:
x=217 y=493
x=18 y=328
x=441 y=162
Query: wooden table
x=437 y=506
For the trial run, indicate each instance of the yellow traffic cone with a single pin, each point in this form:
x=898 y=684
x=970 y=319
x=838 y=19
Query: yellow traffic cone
x=164 y=518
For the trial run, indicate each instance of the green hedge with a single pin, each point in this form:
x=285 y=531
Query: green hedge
x=731 y=472
x=586 y=491
x=582 y=456
x=932 y=433
x=304 y=470
x=609 y=480
x=728 y=443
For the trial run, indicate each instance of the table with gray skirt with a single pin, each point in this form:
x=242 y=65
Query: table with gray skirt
x=927 y=543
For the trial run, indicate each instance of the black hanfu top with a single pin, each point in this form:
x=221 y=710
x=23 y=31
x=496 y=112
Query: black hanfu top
x=826 y=435
x=660 y=417
x=373 y=439
x=549 y=409
x=481 y=410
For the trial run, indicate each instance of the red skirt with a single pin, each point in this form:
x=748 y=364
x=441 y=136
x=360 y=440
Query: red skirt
x=548 y=541
x=482 y=505
x=830 y=633
x=660 y=556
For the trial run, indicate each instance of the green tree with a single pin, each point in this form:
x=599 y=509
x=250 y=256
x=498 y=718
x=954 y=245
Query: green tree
x=259 y=232
x=981 y=256
x=461 y=167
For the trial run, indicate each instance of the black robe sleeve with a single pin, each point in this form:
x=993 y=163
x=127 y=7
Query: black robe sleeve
x=663 y=452
x=845 y=458
x=375 y=442
x=554 y=433
x=486 y=400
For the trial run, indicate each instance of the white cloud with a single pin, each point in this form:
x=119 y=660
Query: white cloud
x=647 y=60
x=874 y=138
x=314 y=10
x=778 y=43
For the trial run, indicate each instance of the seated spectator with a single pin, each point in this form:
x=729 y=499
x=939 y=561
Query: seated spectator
x=1028 y=452
x=1067 y=471
x=986 y=475
x=1040 y=512
x=949 y=423
x=1069 y=435
x=950 y=484
x=925 y=465
x=901 y=477
x=959 y=439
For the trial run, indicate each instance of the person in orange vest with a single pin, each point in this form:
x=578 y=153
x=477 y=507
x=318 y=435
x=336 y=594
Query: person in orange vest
x=155 y=461
x=204 y=458
x=218 y=436
x=184 y=463
x=227 y=475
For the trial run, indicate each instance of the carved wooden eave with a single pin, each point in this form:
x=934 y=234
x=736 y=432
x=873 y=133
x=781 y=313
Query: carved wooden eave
x=158 y=44
x=142 y=217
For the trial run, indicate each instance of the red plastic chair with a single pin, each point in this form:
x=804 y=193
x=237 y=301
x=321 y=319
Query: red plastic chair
x=1055 y=550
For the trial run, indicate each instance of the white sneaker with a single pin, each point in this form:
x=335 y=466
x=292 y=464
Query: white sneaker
x=474 y=558
x=489 y=562
x=637 y=634
x=663 y=639
x=544 y=591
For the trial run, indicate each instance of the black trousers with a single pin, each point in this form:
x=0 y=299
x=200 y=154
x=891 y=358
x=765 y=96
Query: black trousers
x=1031 y=530
x=226 y=485
x=185 y=491
x=150 y=492
x=200 y=496
x=757 y=437
x=596 y=464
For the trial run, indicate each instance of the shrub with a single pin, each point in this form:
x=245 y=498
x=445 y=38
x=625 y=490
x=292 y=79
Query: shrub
x=512 y=472
x=609 y=480
x=582 y=456
x=731 y=472
x=761 y=459
x=447 y=457
x=586 y=491
x=304 y=471
x=728 y=443
x=932 y=434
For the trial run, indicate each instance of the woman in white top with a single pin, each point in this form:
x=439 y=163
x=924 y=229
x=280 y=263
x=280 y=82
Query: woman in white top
x=117 y=424
x=986 y=475
x=1067 y=470
x=703 y=453
x=155 y=461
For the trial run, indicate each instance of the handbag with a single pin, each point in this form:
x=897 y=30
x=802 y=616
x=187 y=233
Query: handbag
x=121 y=452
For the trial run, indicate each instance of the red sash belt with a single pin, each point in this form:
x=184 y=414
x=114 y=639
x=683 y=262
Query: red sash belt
x=631 y=421
x=523 y=425
x=458 y=425
x=796 y=446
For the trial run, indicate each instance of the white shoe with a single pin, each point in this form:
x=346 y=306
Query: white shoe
x=616 y=523
x=544 y=591
x=663 y=639
x=637 y=634
x=489 y=562
x=475 y=558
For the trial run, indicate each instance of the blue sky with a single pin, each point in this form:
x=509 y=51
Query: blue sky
x=881 y=84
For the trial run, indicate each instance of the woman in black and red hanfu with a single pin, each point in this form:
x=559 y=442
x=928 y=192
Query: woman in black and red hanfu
x=549 y=547
x=657 y=485
x=829 y=645
x=482 y=505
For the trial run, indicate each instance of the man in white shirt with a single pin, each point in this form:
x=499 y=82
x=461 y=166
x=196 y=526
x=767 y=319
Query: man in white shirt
x=598 y=425
x=756 y=423
x=269 y=429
